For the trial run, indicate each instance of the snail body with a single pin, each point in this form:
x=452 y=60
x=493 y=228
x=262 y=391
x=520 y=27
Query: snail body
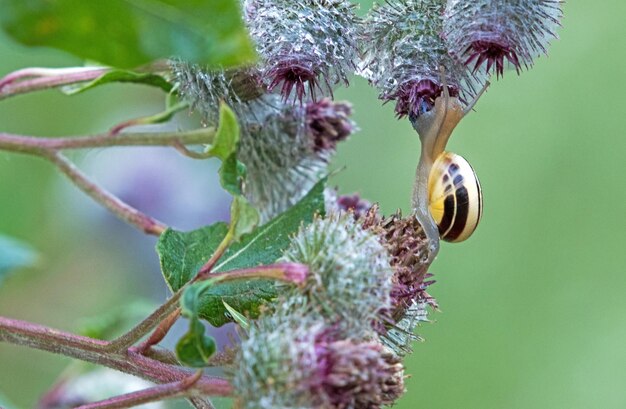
x=447 y=198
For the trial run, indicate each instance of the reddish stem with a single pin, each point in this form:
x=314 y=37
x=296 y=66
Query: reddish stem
x=160 y=332
x=95 y=351
x=20 y=82
x=122 y=210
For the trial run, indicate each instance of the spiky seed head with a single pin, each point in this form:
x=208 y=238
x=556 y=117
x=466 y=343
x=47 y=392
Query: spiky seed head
x=350 y=278
x=304 y=46
x=407 y=245
x=205 y=88
x=404 y=50
x=490 y=33
x=282 y=164
x=298 y=361
x=328 y=123
x=276 y=360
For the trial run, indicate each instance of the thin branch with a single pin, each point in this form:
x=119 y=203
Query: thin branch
x=185 y=151
x=125 y=212
x=183 y=388
x=294 y=273
x=135 y=334
x=150 y=119
x=36 y=79
x=35 y=145
x=95 y=351
x=160 y=331
x=219 y=252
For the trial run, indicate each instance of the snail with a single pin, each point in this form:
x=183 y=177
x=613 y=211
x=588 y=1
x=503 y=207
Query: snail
x=447 y=198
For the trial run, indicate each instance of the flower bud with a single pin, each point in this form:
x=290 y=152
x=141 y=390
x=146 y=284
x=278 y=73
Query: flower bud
x=328 y=123
x=304 y=46
x=404 y=52
x=286 y=148
x=490 y=32
x=350 y=278
x=297 y=361
x=282 y=164
x=204 y=89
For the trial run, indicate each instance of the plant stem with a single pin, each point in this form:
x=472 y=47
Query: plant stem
x=160 y=331
x=289 y=272
x=16 y=83
x=95 y=351
x=35 y=146
x=219 y=252
x=125 y=212
x=135 y=334
x=171 y=390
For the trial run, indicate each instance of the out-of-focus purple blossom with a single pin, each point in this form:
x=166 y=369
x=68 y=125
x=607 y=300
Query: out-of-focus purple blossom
x=328 y=123
x=354 y=203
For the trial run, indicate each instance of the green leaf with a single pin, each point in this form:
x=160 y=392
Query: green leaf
x=150 y=79
x=129 y=33
x=195 y=347
x=237 y=316
x=183 y=254
x=14 y=254
x=232 y=173
x=227 y=135
x=244 y=217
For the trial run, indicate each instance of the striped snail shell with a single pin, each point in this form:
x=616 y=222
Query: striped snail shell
x=455 y=199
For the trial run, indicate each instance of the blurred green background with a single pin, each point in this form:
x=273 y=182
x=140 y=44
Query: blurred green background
x=534 y=305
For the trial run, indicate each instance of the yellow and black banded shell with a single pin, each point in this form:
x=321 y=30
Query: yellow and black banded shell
x=455 y=197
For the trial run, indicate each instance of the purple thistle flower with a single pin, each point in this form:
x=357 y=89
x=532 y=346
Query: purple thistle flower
x=357 y=374
x=405 y=241
x=355 y=204
x=328 y=123
x=298 y=361
x=492 y=32
x=414 y=98
x=304 y=46
x=403 y=52
x=294 y=73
